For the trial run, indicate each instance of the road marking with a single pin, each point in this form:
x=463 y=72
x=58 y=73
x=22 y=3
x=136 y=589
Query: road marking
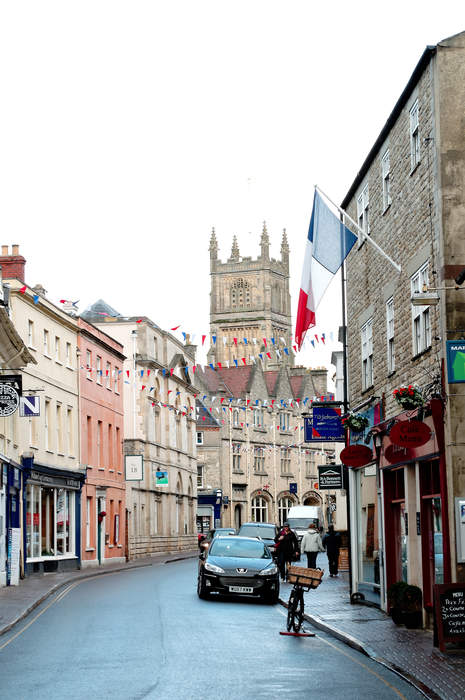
x=59 y=597
x=356 y=661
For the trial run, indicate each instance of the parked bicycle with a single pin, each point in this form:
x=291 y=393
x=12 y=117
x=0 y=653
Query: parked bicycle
x=303 y=580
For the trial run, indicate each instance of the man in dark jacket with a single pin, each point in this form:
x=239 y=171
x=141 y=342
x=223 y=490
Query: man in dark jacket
x=332 y=543
x=287 y=548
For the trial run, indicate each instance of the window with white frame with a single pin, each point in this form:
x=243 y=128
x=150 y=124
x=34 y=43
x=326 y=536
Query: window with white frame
x=258 y=415
x=391 y=356
x=236 y=417
x=367 y=354
x=99 y=370
x=59 y=429
x=89 y=364
x=68 y=355
x=69 y=430
x=236 y=454
x=414 y=136
x=421 y=326
x=47 y=427
x=285 y=460
x=30 y=333
x=386 y=175
x=362 y=210
x=200 y=474
x=310 y=463
x=199 y=438
x=259 y=459
x=259 y=510
x=57 y=349
x=46 y=343
x=116 y=376
x=284 y=504
x=284 y=420
x=108 y=376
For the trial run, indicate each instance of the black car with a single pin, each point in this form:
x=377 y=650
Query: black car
x=240 y=566
x=265 y=531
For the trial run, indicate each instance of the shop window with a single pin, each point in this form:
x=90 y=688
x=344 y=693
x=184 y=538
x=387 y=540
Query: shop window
x=50 y=516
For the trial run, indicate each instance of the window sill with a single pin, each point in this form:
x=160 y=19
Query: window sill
x=31 y=347
x=415 y=167
x=391 y=374
x=58 y=362
x=50 y=452
x=49 y=357
x=120 y=546
x=101 y=469
x=286 y=475
x=365 y=391
x=259 y=429
x=112 y=471
x=90 y=549
x=386 y=209
x=110 y=546
x=69 y=367
x=420 y=354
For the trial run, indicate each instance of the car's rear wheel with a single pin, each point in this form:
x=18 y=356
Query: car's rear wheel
x=201 y=588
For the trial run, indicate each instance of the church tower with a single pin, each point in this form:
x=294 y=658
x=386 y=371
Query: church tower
x=250 y=301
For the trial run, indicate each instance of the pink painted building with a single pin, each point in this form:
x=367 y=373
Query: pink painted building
x=103 y=509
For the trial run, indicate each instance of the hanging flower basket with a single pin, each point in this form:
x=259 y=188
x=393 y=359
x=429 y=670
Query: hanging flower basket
x=409 y=397
x=356 y=422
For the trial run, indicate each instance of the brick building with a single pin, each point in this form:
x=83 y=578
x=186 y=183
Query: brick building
x=409 y=197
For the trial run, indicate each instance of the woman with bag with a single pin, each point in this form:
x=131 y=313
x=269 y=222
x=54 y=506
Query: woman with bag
x=287 y=547
x=311 y=544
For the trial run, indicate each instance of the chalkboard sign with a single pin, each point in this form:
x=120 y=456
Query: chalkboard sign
x=449 y=601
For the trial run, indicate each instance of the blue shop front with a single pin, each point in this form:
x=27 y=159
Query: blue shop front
x=209 y=509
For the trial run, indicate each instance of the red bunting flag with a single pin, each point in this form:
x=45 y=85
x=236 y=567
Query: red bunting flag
x=148 y=372
x=203 y=417
x=169 y=391
x=194 y=367
x=23 y=290
x=264 y=340
x=176 y=328
x=316 y=338
x=143 y=387
x=248 y=401
x=139 y=320
x=127 y=372
x=243 y=360
x=272 y=401
x=203 y=339
x=269 y=355
x=220 y=365
x=171 y=371
x=222 y=399
x=235 y=341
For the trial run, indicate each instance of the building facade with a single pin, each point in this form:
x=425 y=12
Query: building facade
x=250 y=302
x=408 y=197
x=103 y=507
x=159 y=427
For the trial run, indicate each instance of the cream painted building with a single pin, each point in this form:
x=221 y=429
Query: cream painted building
x=159 y=425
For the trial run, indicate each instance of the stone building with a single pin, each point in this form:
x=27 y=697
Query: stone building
x=249 y=301
x=159 y=426
x=409 y=197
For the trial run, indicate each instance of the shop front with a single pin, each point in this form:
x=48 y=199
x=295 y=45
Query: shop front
x=52 y=519
x=11 y=563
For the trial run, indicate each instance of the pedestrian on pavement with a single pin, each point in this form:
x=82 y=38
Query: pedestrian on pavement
x=332 y=543
x=311 y=544
x=287 y=547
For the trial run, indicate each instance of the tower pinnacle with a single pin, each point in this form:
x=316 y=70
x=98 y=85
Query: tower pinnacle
x=265 y=243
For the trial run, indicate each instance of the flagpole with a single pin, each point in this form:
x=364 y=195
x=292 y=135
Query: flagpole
x=363 y=233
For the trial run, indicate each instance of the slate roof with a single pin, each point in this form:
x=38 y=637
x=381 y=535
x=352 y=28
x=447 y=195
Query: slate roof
x=210 y=421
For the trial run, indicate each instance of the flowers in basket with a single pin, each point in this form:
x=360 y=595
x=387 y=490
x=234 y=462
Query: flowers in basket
x=356 y=422
x=409 y=397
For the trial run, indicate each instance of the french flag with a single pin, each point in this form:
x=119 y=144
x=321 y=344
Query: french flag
x=328 y=244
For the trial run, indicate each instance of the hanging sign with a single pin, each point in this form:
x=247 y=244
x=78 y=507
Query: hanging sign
x=356 y=455
x=325 y=425
x=133 y=467
x=455 y=352
x=9 y=399
x=410 y=433
x=396 y=455
x=161 y=478
x=330 y=476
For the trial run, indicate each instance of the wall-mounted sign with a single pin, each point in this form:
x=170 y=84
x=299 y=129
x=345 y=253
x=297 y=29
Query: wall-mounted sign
x=293 y=487
x=161 y=478
x=29 y=406
x=356 y=455
x=455 y=353
x=133 y=467
x=410 y=433
x=330 y=476
x=9 y=399
x=325 y=425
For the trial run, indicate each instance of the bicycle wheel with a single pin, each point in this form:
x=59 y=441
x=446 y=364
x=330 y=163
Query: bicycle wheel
x=295 y=611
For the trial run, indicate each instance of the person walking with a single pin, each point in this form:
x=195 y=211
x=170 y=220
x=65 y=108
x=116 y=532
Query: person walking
x=332 y=544
x=311 y=544
x=287 y=547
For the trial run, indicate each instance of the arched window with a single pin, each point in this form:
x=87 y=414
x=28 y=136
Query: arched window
x=283 y=508
x=259 y=510
x=179 y=506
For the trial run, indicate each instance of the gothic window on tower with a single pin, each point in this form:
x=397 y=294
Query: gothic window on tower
x=240 y=293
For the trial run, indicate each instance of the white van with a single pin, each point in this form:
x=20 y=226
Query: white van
x=300 y=517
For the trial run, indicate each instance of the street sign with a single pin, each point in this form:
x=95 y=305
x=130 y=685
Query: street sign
x=325 y=425
x=134 y=467
x=455 y=351
x=29 y=406
x=330 y=476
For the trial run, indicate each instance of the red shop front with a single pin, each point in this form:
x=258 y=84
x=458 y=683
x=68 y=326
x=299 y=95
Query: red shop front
x=415 y=507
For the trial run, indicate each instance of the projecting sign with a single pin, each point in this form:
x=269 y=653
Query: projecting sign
x=9 y=400
x=161 y=478
x=293 y=487
x=325 y=425
x=330 y=476
x=133 y=467
x=29 y=406
x=410 y=433
x=455 y=352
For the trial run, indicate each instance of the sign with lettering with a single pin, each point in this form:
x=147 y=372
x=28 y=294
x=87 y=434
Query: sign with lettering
x=9 y=400
x=410 y=433
x=325 y=425
x=449 y=605
x=133 y=467
x=455 y=353
x=29 y=406
x=330 y=476
x=356 y=455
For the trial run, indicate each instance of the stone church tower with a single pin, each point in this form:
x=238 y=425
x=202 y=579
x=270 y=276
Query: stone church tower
x=250 y=300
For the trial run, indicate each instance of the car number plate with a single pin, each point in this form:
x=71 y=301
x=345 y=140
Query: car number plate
x=240 y=589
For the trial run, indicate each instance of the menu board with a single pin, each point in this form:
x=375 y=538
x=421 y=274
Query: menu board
x=450 y=612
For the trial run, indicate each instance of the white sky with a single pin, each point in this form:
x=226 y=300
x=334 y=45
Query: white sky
x=129 y=129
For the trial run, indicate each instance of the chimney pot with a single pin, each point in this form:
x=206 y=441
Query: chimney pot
x=15 y=249
x=4 y=250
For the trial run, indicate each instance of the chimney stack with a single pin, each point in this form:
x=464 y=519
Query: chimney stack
x=13 y=265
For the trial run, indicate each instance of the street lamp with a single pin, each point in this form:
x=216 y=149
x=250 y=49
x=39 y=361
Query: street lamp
x=429 y=295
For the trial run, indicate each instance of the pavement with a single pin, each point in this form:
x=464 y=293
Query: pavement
x=409 y=653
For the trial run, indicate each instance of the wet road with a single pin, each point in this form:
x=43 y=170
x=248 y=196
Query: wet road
x=145 y=634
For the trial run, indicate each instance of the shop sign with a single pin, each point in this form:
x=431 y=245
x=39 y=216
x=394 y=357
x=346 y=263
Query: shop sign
x=449 y=609
x=410 y=433
x=397 y=455
x=356 y=455
x=325 y=425
x=330 y=476
x=53 y=481
x=455 y=351
x=133 y=467
x=161 y=478
x=9 y=399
